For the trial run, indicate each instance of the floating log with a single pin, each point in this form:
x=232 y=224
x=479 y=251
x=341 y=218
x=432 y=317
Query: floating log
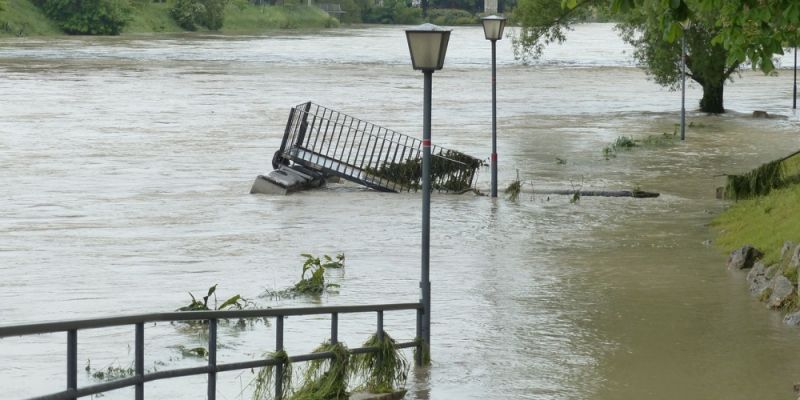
x=639 y=194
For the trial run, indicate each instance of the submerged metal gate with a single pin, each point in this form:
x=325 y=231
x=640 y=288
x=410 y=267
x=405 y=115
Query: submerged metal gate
x=359 y=151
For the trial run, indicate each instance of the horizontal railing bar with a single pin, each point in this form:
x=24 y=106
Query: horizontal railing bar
x=177 y=373
x=61 y=326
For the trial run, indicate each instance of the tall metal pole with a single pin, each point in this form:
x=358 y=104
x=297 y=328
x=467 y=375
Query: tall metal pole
x=425 y=282
x=494 y=121
x=683 y=85
x=794 y=92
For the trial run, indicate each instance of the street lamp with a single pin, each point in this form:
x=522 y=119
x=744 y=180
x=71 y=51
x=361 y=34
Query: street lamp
x=427 y=44
x=493 y=29
x=794 y=90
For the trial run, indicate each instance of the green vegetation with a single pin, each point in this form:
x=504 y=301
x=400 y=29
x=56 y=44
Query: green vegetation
x=626 y=143
x=23 y=18
x=111 y=372
x=451 y=171
x=762 y=180
x=328 y=378
x=764 y=222
x=265 y=379
x=242 y=16
x=147 y=16
x=236 y=302
x=450 y=16
x=87 y=17
x=514 y=189
x=312 y=278
x=383 y=371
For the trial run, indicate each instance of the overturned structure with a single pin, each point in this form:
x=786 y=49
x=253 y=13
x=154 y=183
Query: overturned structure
x=320 y=144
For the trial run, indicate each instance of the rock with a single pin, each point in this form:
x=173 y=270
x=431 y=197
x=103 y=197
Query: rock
x=792 y=319
x=786 y=250
x=758 y=279
x=795 y=261
x=760 y=114
x=782 y=288
x=744 y=257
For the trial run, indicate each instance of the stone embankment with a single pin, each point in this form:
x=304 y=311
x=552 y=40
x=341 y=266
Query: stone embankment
x=776 y=284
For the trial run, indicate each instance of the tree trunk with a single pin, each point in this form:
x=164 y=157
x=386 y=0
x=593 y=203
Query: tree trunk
x=712 y=97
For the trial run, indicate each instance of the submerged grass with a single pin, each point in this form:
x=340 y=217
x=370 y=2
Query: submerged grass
x=765 y=222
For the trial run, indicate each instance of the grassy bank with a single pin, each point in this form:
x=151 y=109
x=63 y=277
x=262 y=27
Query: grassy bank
x=764 y=222
x=22 y=18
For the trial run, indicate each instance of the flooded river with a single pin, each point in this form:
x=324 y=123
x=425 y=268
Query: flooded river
x=125 y=167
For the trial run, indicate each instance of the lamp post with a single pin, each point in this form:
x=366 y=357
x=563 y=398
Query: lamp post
x=427 y=44
x=794 y=91
x=683 y=81
x=493 y=29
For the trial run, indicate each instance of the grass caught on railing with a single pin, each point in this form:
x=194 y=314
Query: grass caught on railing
x=764 y=179
x=264 y=382
x=451 y=171
x=328 y=378
x=384 y=371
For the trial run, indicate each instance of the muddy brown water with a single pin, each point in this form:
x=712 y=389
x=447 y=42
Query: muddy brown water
x=125 y=166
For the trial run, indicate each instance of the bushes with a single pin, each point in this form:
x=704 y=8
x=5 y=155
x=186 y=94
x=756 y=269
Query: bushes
x=449 y=16
x=88 y=17
x=393 y=12
x=193 y=14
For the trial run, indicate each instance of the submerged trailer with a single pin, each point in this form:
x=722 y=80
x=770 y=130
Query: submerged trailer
x=319 y=144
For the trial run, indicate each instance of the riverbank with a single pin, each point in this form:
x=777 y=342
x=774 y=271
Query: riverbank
x=762 y=234
x=23 y=18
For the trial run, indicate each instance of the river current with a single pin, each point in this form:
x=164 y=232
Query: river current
x=125 y=167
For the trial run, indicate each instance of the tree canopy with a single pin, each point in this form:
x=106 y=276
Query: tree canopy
x=720 y=34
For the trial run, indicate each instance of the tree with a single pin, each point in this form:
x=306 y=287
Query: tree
x=92 y=17
x=708 y=62
x=652 y=35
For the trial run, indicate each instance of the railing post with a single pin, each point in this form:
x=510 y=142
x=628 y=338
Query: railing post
x=139 y=360
x=418 y=356
x=334 y=328
x=279 y=368
x=212 y=359
x=380 y=335
x=72 y=360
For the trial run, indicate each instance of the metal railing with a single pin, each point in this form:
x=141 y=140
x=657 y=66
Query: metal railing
x=368 y=154
x=212 y=317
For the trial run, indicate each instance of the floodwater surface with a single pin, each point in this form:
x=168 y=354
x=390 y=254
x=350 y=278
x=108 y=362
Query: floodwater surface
x=125 y=167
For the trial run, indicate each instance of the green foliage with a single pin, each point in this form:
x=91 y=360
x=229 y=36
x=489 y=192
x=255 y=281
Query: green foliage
x=236 y=302
x=626 y=143
x=23 y=18
x=383 y=371
x=241 y=16
x=392 y=12
x=451 y=16
x=312 y=278
x=328 y=378
x=451 y=171
x=147 y=16
x=513 y=190
x=88 y=17
x=110 y=373
x=265 y=379
x=193 y=14
x=762 y=180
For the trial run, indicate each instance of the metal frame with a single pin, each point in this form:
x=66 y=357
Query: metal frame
x=338 y=144
x=140 y=378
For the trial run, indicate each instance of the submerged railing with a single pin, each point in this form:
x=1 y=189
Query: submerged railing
x=71 y=328
x=368 y=154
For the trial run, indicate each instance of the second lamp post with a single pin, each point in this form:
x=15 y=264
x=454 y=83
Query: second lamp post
x=493 y=29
